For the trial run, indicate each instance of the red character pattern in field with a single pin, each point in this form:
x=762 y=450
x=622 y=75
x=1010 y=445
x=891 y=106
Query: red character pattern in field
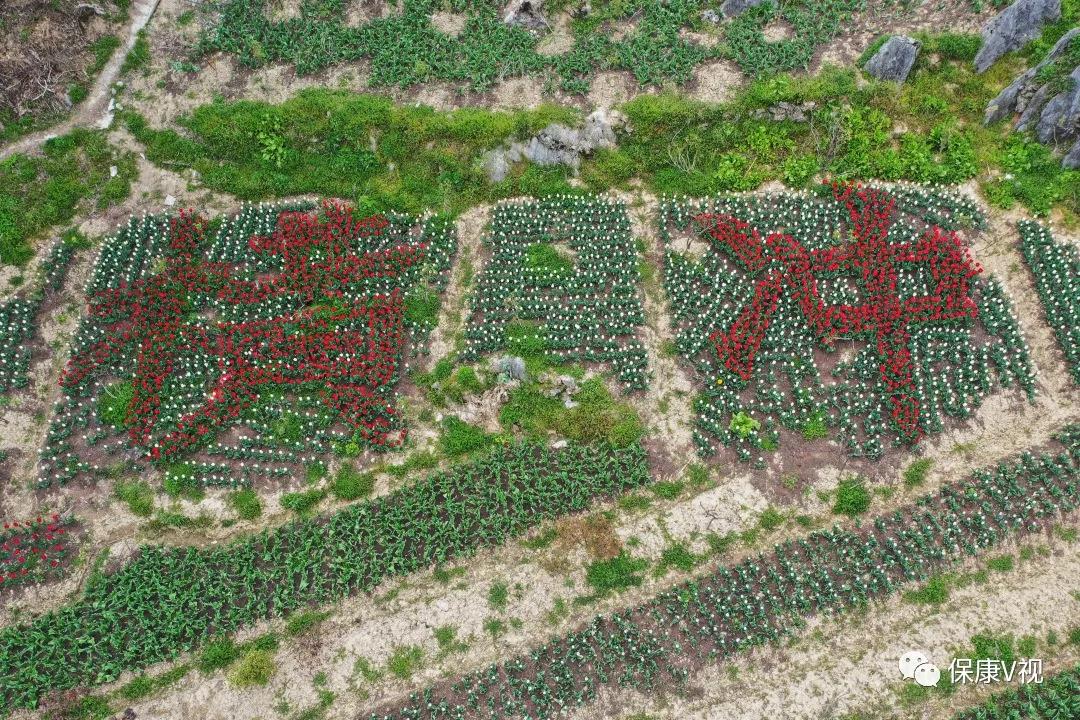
x=785 y=265
x=354 y=362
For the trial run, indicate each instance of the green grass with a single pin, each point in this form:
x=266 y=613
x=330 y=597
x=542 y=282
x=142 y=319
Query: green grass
x=217 y=654
x=619 y=573
x=138 y=496
x=934 y=592
x=139 y=55
x=113 y=405
x=246 y=503
x=40 y=192
x=405 y=661
x=498 y=596
x=303 y=621
x=351 y=484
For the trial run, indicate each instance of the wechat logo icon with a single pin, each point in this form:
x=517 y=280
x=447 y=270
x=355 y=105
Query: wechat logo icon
x=914 y=665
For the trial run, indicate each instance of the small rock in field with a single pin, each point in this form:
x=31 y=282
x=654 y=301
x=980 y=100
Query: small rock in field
x=731 y=8
x=559 y=444
x=112 y=171
x=170 y=200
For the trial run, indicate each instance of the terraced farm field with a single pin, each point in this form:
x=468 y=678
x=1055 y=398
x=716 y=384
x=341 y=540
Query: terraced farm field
x=533 y=360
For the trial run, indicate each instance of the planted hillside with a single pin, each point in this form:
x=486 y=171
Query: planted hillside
x=860 y=312
x=562 y=284
x=248 y=350
x=170 y=600
x=659 y=643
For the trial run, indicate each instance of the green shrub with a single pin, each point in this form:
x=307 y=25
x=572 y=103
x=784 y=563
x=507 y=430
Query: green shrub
x=619 y=573
x=460 y=438
x=246 y=503
x=256 y=667
x=852 y=497
x=217 y=654
x=350 y=484
x=138 y=496
x=915 y=473
x=302 y=502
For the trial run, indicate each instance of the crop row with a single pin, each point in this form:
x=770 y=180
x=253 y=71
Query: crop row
x=761 y=599
x=18 y=314
x=859 y=311
x=169 y=600
x=562 y=282
x=1056 y=267
x=407 y=48
x=1057 y=698
x=310 y=312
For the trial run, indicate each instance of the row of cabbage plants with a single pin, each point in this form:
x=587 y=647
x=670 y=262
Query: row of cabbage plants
x=1057 y=698
x=562 y=282
x=856 y=310
x=660 y=642
x=1056 y=267
x=170 y=599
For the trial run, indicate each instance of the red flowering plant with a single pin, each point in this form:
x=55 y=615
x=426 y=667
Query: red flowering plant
x=856 y=269
x=35 y=550
x=304 y=325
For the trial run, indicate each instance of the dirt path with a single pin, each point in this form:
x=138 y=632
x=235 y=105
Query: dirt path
x=94 y=111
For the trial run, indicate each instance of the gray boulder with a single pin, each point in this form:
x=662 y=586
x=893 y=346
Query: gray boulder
x=528 y=14
x=557 y=144
x=510 y=368
x=1013 y=28
x=1060 y=118
x=1071 y=161
x=731 y=8
x=1024 y=91
x=893 y=60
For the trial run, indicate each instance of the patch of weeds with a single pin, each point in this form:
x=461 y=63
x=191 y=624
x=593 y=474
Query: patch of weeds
x=255 y=668
x=611 y=576
x=405 y=660
x=852 y=497
x=634 y=503
x=541 y=541
x=303 y=621
x=444 y=576
x=460 y=438
x=137 y=495
x=915 y=473
x=217 y=654
x=678 y=556
x=1001 y=563
x=495 y=627
x=770 y=519
x=446 y=636
x=351 y=484
x=934 y=592
x=246 y=503
x=667 y=490
x=498 y=596
x=303 y=502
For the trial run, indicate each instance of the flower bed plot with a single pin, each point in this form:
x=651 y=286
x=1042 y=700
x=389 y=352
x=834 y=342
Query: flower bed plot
x=35 y=550
x=1056 y=267
x=860 y=310
x=18 y=316
x=244 y=352
x=562 y=283
x=660 y=642
x=172 y=599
